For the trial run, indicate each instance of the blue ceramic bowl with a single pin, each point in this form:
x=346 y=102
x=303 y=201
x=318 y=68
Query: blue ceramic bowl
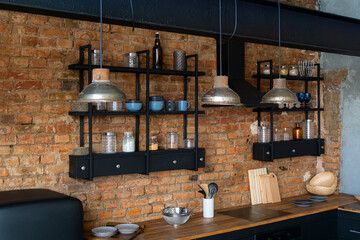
x=133 y=106
x=156 y=105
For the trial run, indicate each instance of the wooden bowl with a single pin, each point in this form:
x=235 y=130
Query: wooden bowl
x=322 y=184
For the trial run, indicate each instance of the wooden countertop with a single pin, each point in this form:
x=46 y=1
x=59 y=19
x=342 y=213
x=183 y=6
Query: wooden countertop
x=197 y=226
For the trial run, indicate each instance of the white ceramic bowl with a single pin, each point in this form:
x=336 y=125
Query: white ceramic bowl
x=127 y=228
x=104 y=231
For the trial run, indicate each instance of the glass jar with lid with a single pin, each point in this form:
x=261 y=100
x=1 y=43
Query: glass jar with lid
x=153 y=143
x=293 y=71
x=172 y=140
x=108 y=140
x=266 y=69
x=284 y=70
x=132 y=60
x=128 y=142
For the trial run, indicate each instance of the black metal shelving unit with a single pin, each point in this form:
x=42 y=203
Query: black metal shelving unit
x=293 y=148
x=144 y=162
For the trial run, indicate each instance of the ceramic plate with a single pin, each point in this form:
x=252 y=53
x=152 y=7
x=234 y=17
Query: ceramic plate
x=104 y=231
x=127 y=228
x=303 y=203
x=318 y=198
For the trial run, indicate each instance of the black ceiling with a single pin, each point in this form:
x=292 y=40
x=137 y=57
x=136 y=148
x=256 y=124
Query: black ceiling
x=257 y=20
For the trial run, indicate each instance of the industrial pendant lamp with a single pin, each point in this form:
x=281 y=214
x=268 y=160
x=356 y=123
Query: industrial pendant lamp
x=221 y=94
x=101 y=89
x=280 y=94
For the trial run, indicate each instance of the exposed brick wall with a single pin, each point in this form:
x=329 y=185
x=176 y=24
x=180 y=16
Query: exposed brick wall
x=37 y=134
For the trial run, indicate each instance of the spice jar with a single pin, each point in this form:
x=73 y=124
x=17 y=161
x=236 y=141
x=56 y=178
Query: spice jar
x=266 y=70
x=284 y=71
x=286 y=135
x=297 y=132
x=189 y=143
x=108 y=140
x=153 y=143
x=293 y=71
x=172 y=140
x=128 y=142
x=276 y=135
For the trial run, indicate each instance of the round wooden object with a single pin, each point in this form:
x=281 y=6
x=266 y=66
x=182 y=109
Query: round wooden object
x=322 y=184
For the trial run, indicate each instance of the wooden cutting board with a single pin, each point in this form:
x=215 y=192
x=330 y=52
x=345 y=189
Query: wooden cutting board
x=274 y=188
x=269 y=188
x=254 y=183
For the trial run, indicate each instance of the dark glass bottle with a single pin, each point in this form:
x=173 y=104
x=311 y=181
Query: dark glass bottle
x=297 y=132
x=157 y=53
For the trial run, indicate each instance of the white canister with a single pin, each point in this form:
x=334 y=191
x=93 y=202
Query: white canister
x=128 y=142
x=208 y=208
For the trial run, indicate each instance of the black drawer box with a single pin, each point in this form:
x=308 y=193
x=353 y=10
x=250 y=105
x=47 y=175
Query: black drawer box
x=348 y=225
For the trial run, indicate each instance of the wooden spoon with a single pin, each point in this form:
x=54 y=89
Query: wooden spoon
x=205 y=187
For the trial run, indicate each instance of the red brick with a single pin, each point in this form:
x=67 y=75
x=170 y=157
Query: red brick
x=19 y=17
x=27 y=30
x=47 y=159
x=47 y=42
x=40 y=74
x=64 y=43
x=134 y=203
x=4 y=172
x=4 y=61
x=26 y=139
x=29 y=41
x=52 y=32
x=62 y=138
x=105 y=214
x=38 y=63
x=6 y=85
x=134 y=212
x=29 y=85
x=37 y=20
x=60 y=168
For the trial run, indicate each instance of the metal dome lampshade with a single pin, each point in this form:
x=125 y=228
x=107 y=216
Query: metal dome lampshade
x=101 y=89
x=221 y=94
x=281 y=95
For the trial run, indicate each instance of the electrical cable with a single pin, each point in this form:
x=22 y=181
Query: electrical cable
x=235 y=23
x=279 y=38
x=132 y=15
x=220 y=38
x=101 y=37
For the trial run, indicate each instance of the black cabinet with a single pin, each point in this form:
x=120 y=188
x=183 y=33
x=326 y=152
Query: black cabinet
x=96 y=165
x=348 y=225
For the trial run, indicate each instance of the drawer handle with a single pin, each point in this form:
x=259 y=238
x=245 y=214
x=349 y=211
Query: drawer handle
x=118 y=166
x=201 y=159
x=175 y=162
x=293 y=150
x=267 y=153
x=354 y=231
x=322 y=147
x=83 y=168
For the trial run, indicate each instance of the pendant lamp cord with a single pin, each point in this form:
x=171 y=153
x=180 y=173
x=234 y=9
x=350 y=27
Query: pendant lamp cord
x=132 y=15
x=279 y=38
x=101 y=37
x=235 y=21
x=220 y=38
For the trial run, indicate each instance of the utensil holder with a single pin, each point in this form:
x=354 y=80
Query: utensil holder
x=208 y=208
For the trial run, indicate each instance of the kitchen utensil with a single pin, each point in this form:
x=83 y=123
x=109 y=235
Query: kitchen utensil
x=255 y=185
x=133 y=105
x=205 y=187
x=183 y=105
x=263 y=134
x=213 y=188
x=127 y=228
x=318 y=198
x=202 y=192
x=269 y=188
x=176 y=215
x=208 y=208
x=104 y=231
